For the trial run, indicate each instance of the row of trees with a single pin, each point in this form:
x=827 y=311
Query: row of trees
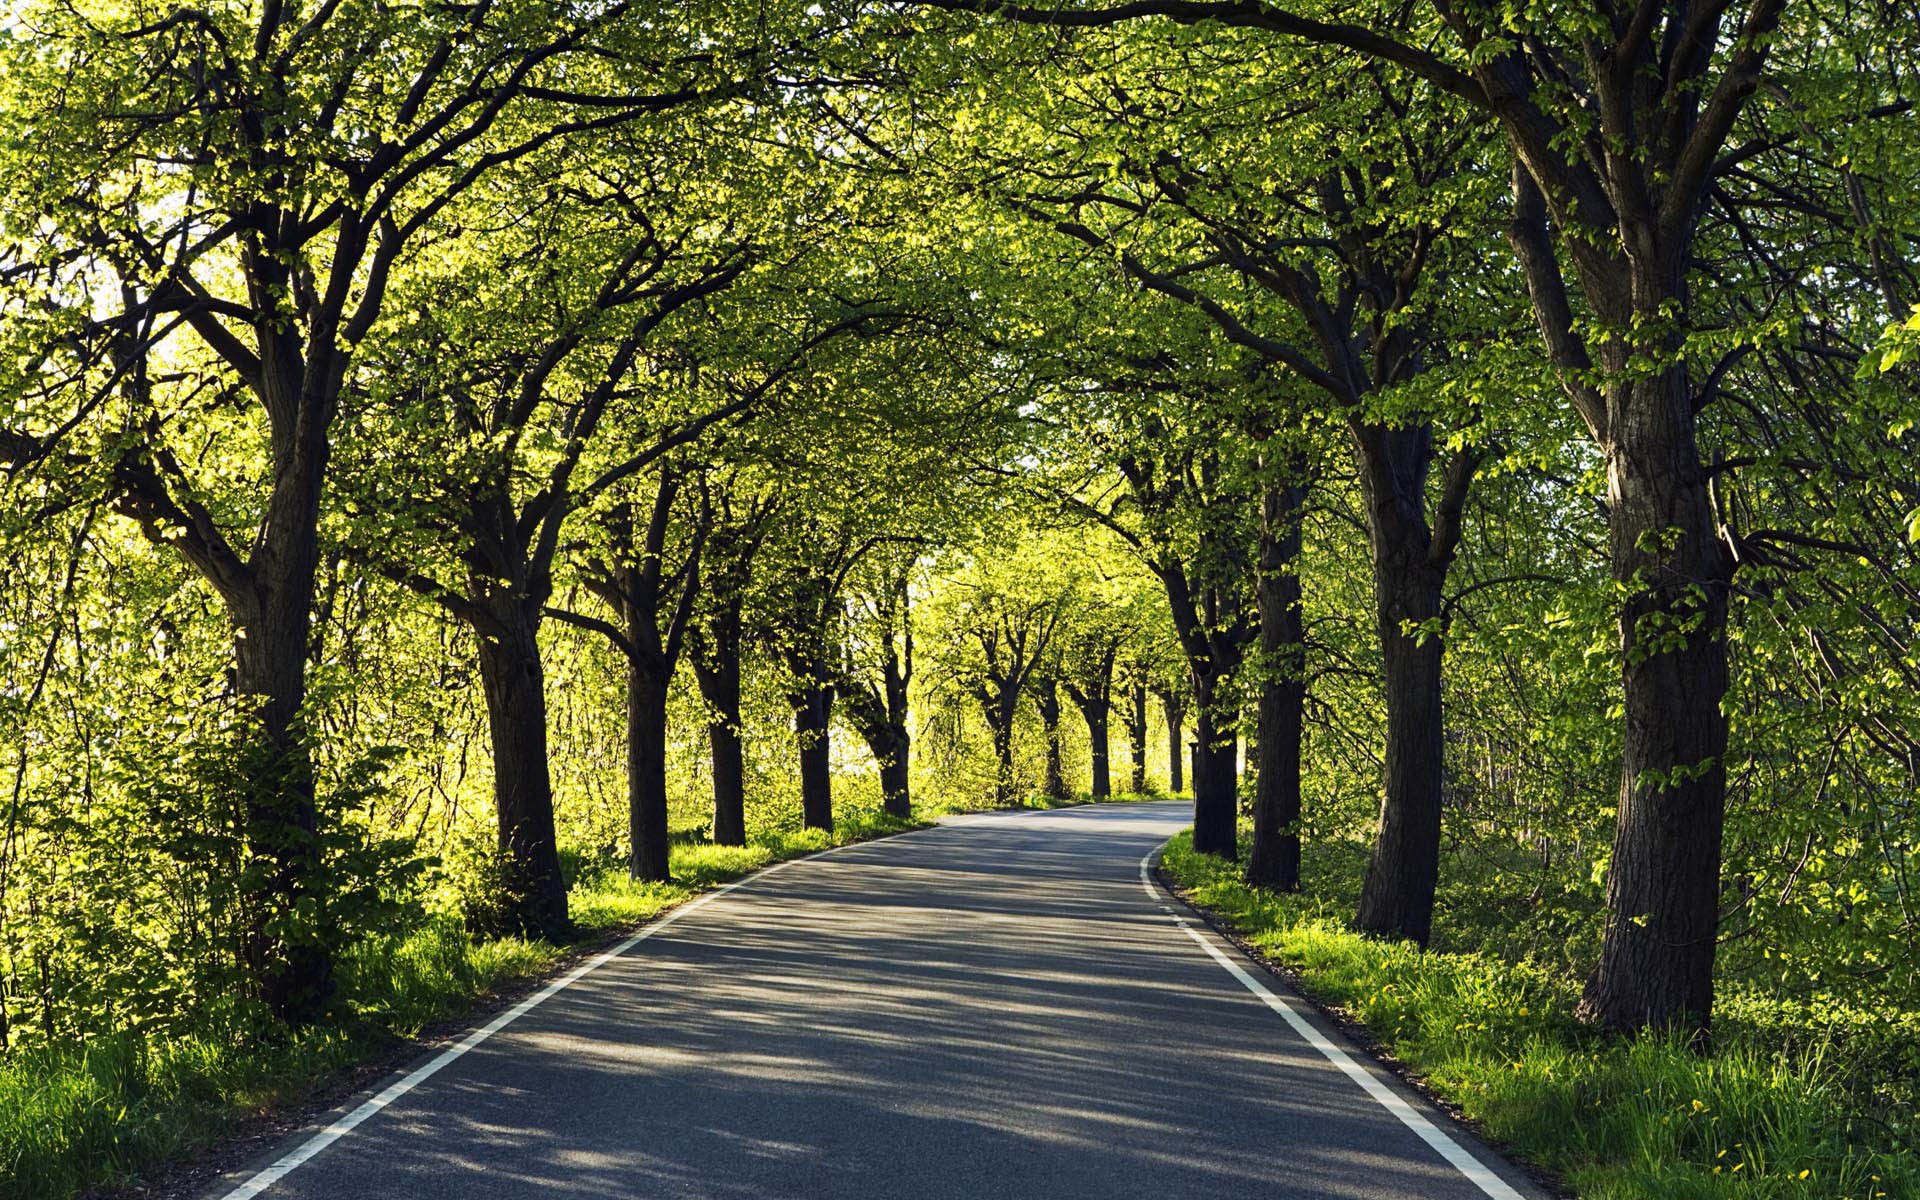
x=1706 y=221
x=1439 y=434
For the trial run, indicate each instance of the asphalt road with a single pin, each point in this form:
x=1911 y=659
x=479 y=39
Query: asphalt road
x=995 y=1008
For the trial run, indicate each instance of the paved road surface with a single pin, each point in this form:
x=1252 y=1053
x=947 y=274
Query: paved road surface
x=994 y=1008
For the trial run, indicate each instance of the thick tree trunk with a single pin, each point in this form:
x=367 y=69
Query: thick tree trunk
x=647 y=773
x=1663 y=888
x=896 y=786
x=1097 y=714
x=1000 y=718
x=1135 y=719
x=729 y=781
x=1274 y=861
x=812 y=721
x=294 y=971
x=716 y=668
x=1397 y=899
x=534 y=903
x=1216 y=782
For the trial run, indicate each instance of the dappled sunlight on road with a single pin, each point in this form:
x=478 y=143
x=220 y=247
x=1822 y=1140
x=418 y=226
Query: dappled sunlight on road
x=992 y=1008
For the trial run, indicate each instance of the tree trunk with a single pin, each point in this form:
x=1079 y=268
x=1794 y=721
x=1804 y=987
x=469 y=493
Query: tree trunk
x=534 y=899
x=729 y=781
x=1047 y=700
x=1176 y=715
x=1000 y=717
x=812 y=718
x=1135 y=719
x=896 y=797
x=716 y=668
x=880 y=715
x=647 y=773
x=294 y=971
x=1656 y=964
x=1275 y=859
x=1216 y=782
x=1397 y=900
x=1097 y=713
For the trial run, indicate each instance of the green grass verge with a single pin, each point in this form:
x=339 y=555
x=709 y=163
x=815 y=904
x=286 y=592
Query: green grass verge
x=1616 y=1120
x=98 y=1116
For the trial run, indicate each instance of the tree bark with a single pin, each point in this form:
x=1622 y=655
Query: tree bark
x=1134 y=717
x=716 y=667
x=294 y=973
x=1274 y=861
x=647 y=773
x=881 y=715
x=812 y=721
x=1046 y=698
x=1096 y=715
x=1175 y=711
x=1216 y=782
x=1663 y=888
x=534 y=894
x=1397 y=899
x=1000 y=717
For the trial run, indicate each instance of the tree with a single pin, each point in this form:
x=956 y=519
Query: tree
x=304 y=181
x=878 y=676
x=655 y=609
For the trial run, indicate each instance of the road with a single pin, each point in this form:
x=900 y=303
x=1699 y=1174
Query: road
x=998 y=1007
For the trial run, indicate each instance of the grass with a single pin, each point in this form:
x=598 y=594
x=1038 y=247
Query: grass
x=99 y=1116
x=1767 y=1116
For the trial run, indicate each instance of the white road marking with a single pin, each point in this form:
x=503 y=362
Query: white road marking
x=1449 y=1149
x=271 y=1175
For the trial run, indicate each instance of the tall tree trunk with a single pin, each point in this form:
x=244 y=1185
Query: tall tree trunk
x=880 y=715
x=812 y=721
x=294 y=972
x=1663 y=887
x=1176 y=714
x=1275 y=858
x=1046 y=698
x=890 y=744
x=729 y=781
x=647 y=772
x=716 y=668
x=1216 y=780
x=1097 y=712
x=1000 y=717
x=1397 y=899
x=534 y=901
x=896 y=785
x=1135 y=719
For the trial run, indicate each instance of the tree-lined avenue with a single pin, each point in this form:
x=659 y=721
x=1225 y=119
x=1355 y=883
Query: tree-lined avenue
x=991 y=1008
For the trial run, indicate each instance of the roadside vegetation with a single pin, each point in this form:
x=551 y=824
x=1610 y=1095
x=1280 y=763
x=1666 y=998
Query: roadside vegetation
x=1797 y=1101
x=471 y=475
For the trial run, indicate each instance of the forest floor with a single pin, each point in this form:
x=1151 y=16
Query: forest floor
x=1774 y=1112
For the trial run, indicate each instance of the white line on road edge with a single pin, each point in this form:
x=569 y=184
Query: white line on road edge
x=269 y=1176
x=1449 y=1149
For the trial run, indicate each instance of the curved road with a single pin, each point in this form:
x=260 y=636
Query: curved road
x=998 y=1007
